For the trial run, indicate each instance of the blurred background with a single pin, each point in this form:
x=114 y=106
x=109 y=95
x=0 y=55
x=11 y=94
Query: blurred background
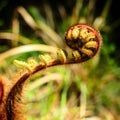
x=87 y=91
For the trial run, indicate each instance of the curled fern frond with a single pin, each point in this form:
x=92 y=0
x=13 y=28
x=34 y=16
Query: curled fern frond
x=84 y=39
x=85 y=43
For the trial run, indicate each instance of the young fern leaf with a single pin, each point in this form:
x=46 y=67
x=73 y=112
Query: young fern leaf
x=85 y=42
x=46 y=59
x=23 y=64
x=29 y=66
x=84 y=39
x=62 y=56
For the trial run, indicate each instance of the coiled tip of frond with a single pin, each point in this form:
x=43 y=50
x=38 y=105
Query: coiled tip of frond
x=84 y=39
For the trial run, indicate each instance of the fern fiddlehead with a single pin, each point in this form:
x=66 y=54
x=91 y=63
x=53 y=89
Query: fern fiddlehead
x=85 y=42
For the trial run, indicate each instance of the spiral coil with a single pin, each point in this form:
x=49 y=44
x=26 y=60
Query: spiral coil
x=84 y=40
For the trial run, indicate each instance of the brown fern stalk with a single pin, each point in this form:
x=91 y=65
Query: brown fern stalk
x=85 y=42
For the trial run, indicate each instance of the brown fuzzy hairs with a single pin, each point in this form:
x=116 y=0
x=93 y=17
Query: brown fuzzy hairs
x=85 y=42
